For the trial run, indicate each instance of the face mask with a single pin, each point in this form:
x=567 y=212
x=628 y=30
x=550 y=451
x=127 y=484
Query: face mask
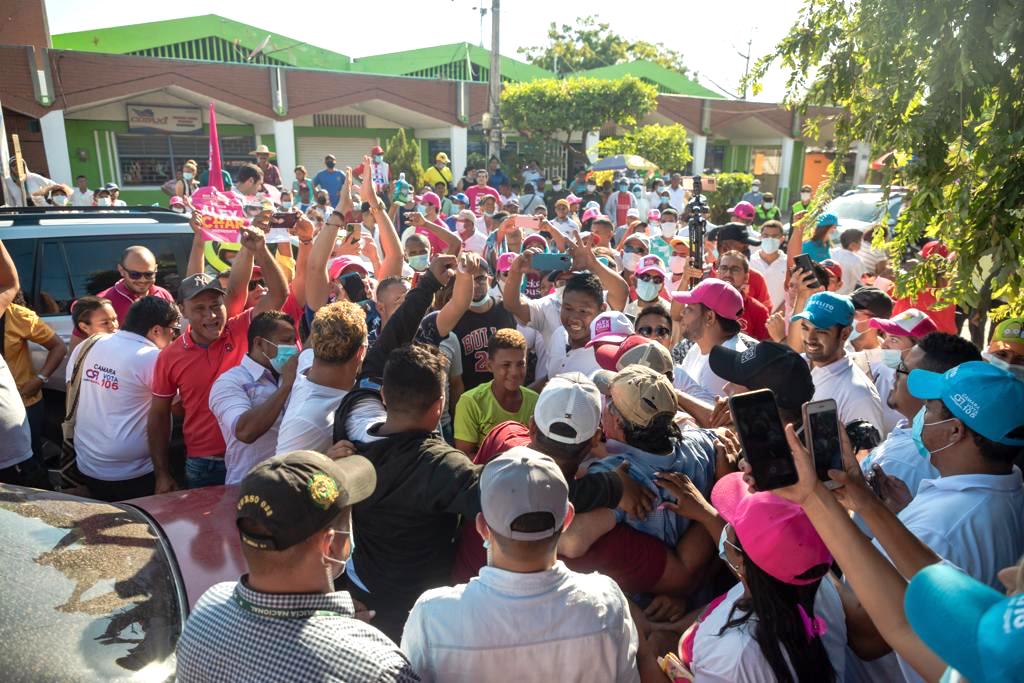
x=556 y=187
x=668 y=229
x=854 y=334
x=178 y=209
x=805 y=197
x=833 y=238
x=60 y=200
x=420 y=262
x=647 y=291
x=637 y=193
x=630 y=261
x=103 y=201
x=187 y=175
x=481 y=301
x=377 y=158
x=339 y=565
x=329 y=164
x=623 y=188
x=768 y=205
x=284 y=354
x=770 y=245
x=591 y=188
x=1016 y=370
x=917 y=432
x=663 y=201
x=677 y=264
x=421 y=209
x=714 y=253
x=286 y=205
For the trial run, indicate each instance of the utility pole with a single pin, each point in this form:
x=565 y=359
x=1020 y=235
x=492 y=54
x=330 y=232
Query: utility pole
x=746 y=68
x=494 y=85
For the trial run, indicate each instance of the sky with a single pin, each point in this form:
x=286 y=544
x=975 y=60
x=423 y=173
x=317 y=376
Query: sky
x=710 y=35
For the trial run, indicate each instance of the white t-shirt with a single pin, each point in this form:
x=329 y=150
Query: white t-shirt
x=79 y=198
x=676 y=197
x=308 y=422
x=774 y=276
x=698 y=369
x=852 y=267
x=735 y=655
x=15 y=437
x=476 y=242
x=113 y=406
x=853 y=391
x=561 y=359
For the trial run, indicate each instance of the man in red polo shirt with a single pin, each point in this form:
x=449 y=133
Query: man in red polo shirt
x=215 y=341
x=138 y=279
x=734 y=268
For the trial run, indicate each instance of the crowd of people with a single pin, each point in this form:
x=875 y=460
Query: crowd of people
x=484 y=435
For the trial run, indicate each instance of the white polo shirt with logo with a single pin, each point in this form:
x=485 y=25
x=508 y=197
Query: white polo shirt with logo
x=854 y=393
x=113 y=406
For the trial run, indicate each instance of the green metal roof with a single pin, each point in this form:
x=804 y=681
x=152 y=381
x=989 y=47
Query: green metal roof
x=429 y=59
x=666 y=80
x=150 y=37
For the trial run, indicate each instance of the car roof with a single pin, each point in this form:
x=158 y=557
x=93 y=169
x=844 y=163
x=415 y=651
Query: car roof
x=45 y=221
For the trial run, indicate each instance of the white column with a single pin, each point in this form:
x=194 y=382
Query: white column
x=55 y=142
x=862 y=162
x=590 y=141
x=284 y=143
x=459 y=139
x=785 y=167
x=700 y=148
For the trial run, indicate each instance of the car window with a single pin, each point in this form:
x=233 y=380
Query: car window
x=55 y=296
x=89 y=590
x=23 y=253
x=865 y=207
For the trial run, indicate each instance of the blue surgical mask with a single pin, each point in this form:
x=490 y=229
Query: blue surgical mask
x=714 y=252
x=917 y=431
x=377 y=158
x=187 y=175
x=770 y=245
x=286 y=205
x=421 y=209
x=285 y=352
x=647 y=291
x=419 y=262
x=663 y=200
x=854 y=333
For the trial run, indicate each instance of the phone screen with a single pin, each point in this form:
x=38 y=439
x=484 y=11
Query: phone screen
x=764 y=442
x=826 y=447
x=355 y=288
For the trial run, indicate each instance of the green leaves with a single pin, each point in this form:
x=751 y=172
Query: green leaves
x=665 y=146
x=403 y=156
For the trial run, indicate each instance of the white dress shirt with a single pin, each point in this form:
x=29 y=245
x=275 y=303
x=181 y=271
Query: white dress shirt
x=234 y=393
x=774 y=276
x=561 y=359
x=79 y=198
x=677 y=198
x=853 y=391
x=546 y=314
x=852 y=267
x=555 y=625
x=696 y=369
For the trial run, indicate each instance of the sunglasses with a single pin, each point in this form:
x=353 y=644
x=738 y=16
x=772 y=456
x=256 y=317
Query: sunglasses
x=647 y=331
x=175 y=330
x=656 y=279
x=629 y=249
x=140 y=275
x=253 y=284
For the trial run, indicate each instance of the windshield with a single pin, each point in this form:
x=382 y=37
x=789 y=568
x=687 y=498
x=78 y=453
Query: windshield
x=88 y=591
x=864 y=207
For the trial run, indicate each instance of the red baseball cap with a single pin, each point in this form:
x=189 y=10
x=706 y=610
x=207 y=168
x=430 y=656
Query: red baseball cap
x=342 y=262
x=633 y=350
x=934 y=247
x=376 y=150
x=718 y=295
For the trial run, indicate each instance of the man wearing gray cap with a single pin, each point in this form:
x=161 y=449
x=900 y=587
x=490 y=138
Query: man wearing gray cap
x=526 y=615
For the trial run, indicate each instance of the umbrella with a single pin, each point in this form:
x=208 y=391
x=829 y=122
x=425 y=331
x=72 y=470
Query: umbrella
x=622 y=162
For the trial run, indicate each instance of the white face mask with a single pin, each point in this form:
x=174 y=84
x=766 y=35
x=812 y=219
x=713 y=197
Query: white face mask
x=770 y=245
x=630 y=261
x=677 y=264
x=668 y=229
x=103 y=201
x=591 y=188
x=556 y=187
x=1016 y=370
x=339 y=565
x=60 y=200
x=805 y=197
x=768 y=205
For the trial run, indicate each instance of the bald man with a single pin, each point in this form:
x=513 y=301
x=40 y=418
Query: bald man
x=138 y=279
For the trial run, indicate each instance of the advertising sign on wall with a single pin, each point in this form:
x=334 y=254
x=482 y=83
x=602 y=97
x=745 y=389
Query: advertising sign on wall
x=147 y=118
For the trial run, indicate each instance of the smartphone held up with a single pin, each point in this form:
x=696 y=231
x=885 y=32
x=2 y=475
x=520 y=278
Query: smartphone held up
x=763 y=439
x=821 y=435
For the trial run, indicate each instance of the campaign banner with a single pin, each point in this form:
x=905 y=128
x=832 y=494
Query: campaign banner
x=155 y=119
x=224 y=215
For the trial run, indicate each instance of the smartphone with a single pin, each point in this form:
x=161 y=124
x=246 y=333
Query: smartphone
x=821 y=434
x=527 y=222
x=355 y=288
x=354 y=232
x=551 y=262
x=763 y=439
x=804 y=262
x=287 y=220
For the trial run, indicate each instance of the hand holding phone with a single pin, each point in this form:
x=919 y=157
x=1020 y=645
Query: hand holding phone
x=550 y=262
x=804 y=263
x=822 y=437
x=763 y=439
x=284 y=219
x=525 y=222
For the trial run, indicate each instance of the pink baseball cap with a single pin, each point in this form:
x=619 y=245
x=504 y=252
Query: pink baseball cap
x=935 y=247
x=342 y=262
x=651 y=264
x=774 y=533
x=504 y=262
x=430 y=198
x=588 y=214
x=535 y=237
x=718 y=295
x=909 y=323
x=610 y=326
x=654 y=215
x=573 y=199
x=743 y=211
x=175 y=200
x=834 y=268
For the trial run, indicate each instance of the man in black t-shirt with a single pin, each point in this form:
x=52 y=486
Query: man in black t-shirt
x=484 y=317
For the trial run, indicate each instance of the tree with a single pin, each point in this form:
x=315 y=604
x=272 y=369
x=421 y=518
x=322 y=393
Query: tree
x=730 y=190
x=941 y=83
x=590 y=44
x=550 y=108
x=403 y=156
x=664 y=146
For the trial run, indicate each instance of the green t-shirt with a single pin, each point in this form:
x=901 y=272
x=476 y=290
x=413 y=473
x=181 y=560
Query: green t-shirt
x=478 y=412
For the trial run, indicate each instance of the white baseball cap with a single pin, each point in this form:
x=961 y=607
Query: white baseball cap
x=610 y=326
x=569 y=409
x=522 y=481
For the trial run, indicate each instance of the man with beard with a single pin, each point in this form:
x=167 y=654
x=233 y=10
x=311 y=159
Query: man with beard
x=138 y=271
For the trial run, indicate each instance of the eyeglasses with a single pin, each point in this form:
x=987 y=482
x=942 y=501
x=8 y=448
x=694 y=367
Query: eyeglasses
x=648 y=331
x=174 y=330
x=253 y=284
x=902 y=369
x=140 y=274
x=727 y=270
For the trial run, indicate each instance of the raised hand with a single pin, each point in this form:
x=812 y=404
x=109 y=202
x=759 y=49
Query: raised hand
x=253 y=240
x=443 y=267
x=690 y=502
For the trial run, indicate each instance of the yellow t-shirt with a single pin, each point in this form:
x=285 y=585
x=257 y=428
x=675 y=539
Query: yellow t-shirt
x=478 y=412
x=22 y=325
x=432 y=177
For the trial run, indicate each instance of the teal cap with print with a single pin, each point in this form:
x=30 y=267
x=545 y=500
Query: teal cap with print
x=825 y=309
x=978 y=394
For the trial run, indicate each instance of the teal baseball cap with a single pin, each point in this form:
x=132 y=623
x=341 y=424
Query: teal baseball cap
x=974 y=629
x=825 y=309
x=978 y=394
x=827 y=220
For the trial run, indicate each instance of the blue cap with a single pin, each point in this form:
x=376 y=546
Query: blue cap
x=826 y=309
x=976 y=630
x=461 y=198
x=978 y=394
x=827 y=219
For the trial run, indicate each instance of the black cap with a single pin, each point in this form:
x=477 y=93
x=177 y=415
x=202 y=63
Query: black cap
x=873 y=300
x=736 y=232
x=298 y=494
x=199 y=283
x=766 y=365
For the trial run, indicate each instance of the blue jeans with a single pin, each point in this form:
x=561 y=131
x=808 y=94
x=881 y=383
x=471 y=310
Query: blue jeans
x=201 y=472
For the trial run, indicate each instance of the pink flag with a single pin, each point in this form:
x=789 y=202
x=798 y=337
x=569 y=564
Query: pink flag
x=215 y=180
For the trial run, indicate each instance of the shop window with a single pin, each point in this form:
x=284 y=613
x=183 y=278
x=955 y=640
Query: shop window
x=153 y=159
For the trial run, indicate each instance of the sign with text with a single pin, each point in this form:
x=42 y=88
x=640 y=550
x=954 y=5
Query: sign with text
x=224 y=215
x=147 y=118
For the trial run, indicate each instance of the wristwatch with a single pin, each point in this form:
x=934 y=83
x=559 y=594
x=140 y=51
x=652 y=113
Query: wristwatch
x=43 y=377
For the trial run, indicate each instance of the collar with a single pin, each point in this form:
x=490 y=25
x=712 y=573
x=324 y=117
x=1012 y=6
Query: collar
x=338 y=602
x=257 y=371
x=836 y=367
x=123 y=290
x=523 y=585
x=137 y=338
x=999 y=483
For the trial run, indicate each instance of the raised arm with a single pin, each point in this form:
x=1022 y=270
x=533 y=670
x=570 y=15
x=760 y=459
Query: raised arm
x=453 y=245
x=391 y=264
x=9 y=283
x=254 y=241
x=583 y=259
x=318 y=282
x=448 y=317
x=511 y=298
x=304 y=231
